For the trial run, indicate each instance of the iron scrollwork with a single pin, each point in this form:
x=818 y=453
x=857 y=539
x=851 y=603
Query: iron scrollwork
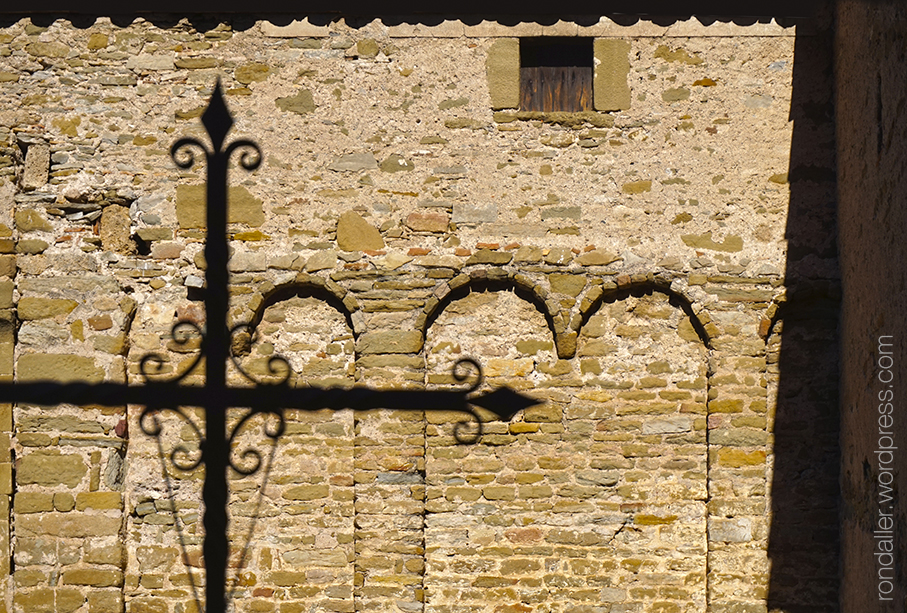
x=220 y=447
x=278 y=366
x=468 y=431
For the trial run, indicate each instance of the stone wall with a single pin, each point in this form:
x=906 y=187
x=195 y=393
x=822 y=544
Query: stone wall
x=624 y=265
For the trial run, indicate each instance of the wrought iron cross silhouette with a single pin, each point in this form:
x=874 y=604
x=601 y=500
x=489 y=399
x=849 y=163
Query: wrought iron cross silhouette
x=216 y=396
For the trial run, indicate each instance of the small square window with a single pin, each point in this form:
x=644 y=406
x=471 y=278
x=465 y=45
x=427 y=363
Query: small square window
x=556 y=74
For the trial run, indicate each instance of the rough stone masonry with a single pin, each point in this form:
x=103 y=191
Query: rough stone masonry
x=625 y=264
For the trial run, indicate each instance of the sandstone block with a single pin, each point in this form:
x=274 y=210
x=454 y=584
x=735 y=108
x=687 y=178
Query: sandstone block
x=570 y=285
x=48 y=600
x=367 y=48
x=307 y=558
x=155 y=234
x=47 y=49
x=59 y=367
x=93 y=577
x=356 y=234
x=668 y=425
x=474 y=213
x=105 y=601
x=6 y=302
x=390 y=341
x=150 y=62
x=154 y=557
x=81 y=283
x=7 y=266
x=503 y=367
x=252 y=72
x=30 y=220
x=307 y=492
x=37 y=166
x=427 y=222
x=636 y=187
x=560 y=256
x=149 y=605
x=396 y=163
x=197 y=63
x=354 y=162
x=597 y=257
x=323 y=260
x=99 y=500
x=31 y=246
x=487 y=256
x=33 y=502
x=301 y=103
x=114 y=345
x=737 y=530
x=502 y=68
x=731 y=243
x=739 y=437
x=50 y=468
x=727 y=405
x=610 y=91
x=100 y=322
x=545 y=413
x=675 y=94
x=737 y=458
x=64 y=502
x=605 y=478
x=105 y=555
x=531 y=347
x=497 y=492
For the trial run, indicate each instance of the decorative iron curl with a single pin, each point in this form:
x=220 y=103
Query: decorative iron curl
x=151 y=425
x=253 y=454
x=246 y=160
x=462 y=369
x=469 y=430
x=152 y=364
x=278 y=366
x=182 y=148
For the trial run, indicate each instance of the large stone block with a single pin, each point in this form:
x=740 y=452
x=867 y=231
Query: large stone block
x=93 y=576
x=61 y=367
x=105 y=601
x=356 y=234
x=74 y=525
x=29 y=220
x=81 y=283
x=149 y=62
x=47 y=600
x=468 y=212
x=116 y=227
x=50 y=469
x=354 y=162
x=37 y=166
x=502 y=67
x=390 y=341
x=30 y=308
x=242 y=207
x=610 y=91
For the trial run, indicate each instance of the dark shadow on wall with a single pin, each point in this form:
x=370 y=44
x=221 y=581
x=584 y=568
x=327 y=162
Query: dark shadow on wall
x=804 y=545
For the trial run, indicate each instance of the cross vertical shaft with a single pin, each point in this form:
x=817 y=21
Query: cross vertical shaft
x=214 y=492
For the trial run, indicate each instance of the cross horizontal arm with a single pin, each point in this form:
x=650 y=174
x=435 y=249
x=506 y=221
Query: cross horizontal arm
x=505 y=403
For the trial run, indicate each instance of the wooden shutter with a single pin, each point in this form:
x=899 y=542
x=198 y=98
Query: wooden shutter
x=555 y=88
x=556 y=74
